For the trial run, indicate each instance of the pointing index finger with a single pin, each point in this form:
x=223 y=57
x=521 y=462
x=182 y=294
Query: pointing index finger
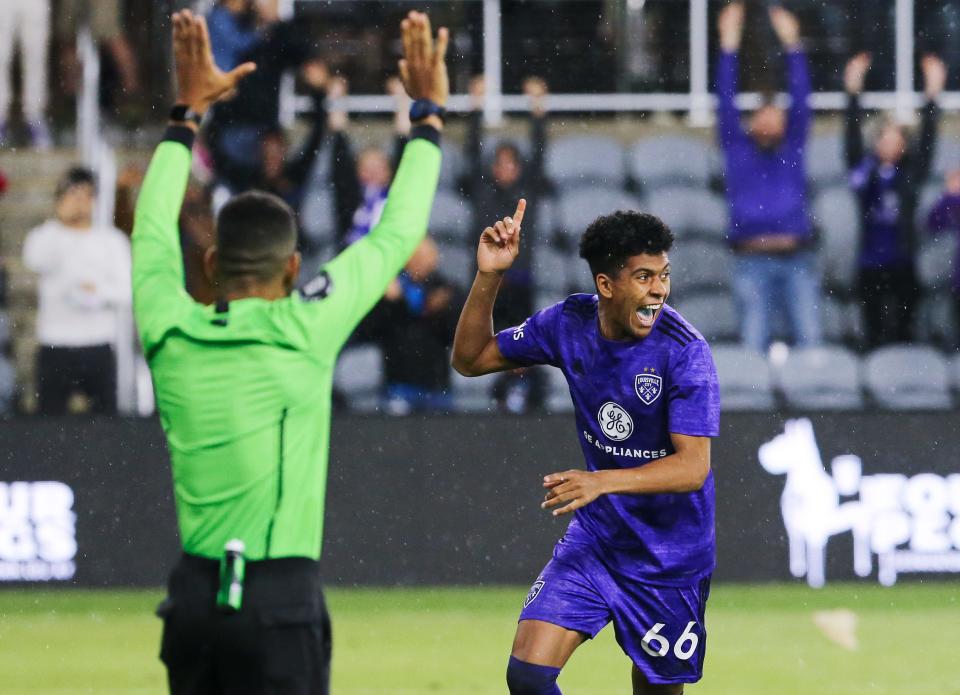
x=518 y=215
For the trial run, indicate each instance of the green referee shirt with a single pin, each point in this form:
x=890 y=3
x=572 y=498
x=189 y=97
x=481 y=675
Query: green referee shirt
x=244 y=390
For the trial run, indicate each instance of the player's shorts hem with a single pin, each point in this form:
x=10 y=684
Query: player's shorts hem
x=657 y=680
x=591 y=633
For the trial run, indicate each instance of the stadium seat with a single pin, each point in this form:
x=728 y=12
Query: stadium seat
x=935 y=262
x=712 y=313
x=908 y=377
x=955 y=370
x=821 y=378
x=582 y=160
x=935 y=320
x=690 y=211
x=451 y=167
x=451 y=219
x=947 y=156
x=359 y=375
x=579 y=277
x=558 y=393
x=472 y=394
x=549 y=269
x=929 y=195
x=700 y=265
x=746 y=382
x=318 y=216
x=825 y=161
x=672 y=160
x=457 y=263
x=836 y=214
x=577 y=209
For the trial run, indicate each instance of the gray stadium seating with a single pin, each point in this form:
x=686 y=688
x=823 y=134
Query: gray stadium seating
x=690 y=211
x=935 y=320
x=582 y=160
x=712 y=313
x=929 y=195
x=908 y=377
x=836 y=214
x=451 y=219
x=472 y=394
x=955 y=370
x=451 y=166
x=558 y=393
x=825 y=160
x=700 y=265
x=549 y=269
x=935 y=262
x=821 y=378
x=458 y=263
x=577 y=209
x=947 y=156
x=8 y=387
x=746 y=382
x=579 y=278
x=359 y=375
x=317 y=214
x=670 y=160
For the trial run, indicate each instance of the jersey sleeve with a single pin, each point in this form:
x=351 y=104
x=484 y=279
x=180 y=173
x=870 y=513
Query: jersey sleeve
x=694 y=393
x=535 y=340
x=159 y=294
x=353 y=282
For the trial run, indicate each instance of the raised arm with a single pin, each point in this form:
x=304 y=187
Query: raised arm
x=316 y=76
x=730 y=29
x=854 y=76
x=934 y=79
x=159 y=294
x=787 y=28
x=475 y=347
x=360 y=275
x=536 y=90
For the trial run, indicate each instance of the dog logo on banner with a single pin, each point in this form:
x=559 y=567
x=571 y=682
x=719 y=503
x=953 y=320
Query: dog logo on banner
x=649 y=385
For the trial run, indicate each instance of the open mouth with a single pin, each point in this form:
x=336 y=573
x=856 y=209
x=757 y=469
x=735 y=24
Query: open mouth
x=647 y=314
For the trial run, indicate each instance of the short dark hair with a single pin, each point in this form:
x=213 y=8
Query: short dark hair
x=256 y=234
x=75 y=176
x=508 y=146
x=611 y=239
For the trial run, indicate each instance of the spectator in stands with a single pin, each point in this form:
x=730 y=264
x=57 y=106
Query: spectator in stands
x=945 y=217
x=414 y=326
x=240 y=31
x=104 y=18
x=770 y=232
x=887 y=182
x=361 y=182
x=494 y=189
x=84 y=282
x=524 y=392
x=27 y=23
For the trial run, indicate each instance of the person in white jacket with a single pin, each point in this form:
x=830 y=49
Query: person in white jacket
x=84 y=289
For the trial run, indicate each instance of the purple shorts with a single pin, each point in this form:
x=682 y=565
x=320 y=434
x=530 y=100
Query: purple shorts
x=661 y=628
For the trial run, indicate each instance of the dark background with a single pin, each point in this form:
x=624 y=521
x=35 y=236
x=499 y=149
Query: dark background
x=444 y=500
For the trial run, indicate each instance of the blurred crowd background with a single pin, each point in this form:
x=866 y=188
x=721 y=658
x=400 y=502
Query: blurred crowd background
x=814 y=192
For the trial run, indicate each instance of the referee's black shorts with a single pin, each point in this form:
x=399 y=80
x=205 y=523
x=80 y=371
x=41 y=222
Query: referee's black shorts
x=279 y=642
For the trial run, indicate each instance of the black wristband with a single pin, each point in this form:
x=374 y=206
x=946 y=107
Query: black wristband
x=425 y=131
x=180 y=133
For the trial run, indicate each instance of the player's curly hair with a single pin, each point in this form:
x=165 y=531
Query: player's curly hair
x=611 y=239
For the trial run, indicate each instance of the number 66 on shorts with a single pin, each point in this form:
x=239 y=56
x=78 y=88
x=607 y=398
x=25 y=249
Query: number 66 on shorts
x=656 y=644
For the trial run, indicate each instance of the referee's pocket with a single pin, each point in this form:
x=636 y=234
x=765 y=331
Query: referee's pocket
x=295 y=658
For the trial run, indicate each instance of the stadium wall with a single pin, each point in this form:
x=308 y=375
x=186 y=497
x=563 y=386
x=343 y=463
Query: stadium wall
x=455 y=500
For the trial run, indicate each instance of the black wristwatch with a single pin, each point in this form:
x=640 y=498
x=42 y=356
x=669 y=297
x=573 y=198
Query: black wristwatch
x=422 y=108
x=183 y=113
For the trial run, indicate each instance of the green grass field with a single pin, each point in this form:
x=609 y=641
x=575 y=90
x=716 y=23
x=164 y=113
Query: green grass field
x=762 y=640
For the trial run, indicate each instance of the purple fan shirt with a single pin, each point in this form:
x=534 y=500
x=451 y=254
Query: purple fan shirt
x=629 y=397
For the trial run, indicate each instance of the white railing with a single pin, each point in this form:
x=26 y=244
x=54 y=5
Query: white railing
x=697 y=101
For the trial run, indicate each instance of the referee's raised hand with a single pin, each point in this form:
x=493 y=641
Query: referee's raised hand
x=423 y=67
x=200 y=83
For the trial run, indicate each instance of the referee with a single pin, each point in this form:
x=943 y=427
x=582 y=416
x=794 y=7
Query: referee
x=243 y=386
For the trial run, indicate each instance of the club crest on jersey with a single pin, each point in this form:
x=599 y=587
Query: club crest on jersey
x=615 y=422
x=648 y=386
x=534 y=592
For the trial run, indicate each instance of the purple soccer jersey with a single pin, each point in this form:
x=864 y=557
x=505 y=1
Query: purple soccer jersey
x=629 y=397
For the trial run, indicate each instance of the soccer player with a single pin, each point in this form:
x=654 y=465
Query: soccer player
x=639 y=550
x=243 y=386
